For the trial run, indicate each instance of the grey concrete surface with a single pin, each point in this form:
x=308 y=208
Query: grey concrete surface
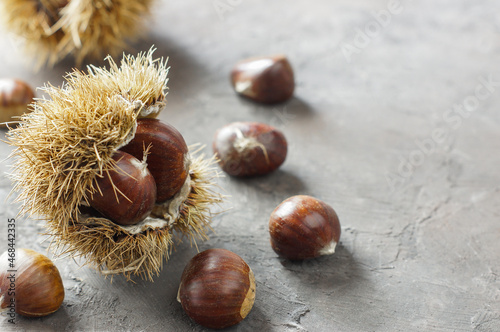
x=375 y=129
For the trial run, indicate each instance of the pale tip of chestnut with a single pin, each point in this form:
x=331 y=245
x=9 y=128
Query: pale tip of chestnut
x=329 y=249
x=249 y=300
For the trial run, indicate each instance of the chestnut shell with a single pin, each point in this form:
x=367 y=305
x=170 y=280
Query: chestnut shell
x=268 y=79
x=137 y=187
x=168 y=159
x=304 y=227
x=15 y=95
x=38 y=286
x=249 y=148
x=217 y=288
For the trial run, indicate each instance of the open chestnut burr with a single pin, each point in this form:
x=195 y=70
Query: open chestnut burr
x=54 y=29
x=94 y=206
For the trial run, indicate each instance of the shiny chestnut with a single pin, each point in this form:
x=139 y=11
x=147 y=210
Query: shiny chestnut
x=15 y=96
x=249 y=148
x=30 y=284
x=304 y=227
x=217 y=288
x=125 y=194
x=168 y=158
x=264 y=79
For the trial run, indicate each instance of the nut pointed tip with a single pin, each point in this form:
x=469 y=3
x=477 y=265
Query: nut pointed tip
x=329 y=249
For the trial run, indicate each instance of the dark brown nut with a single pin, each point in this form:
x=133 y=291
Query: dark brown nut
x=249 y=148
x=15 y=96
x=168 y=158
x=264 y=79
x=126 y=195
x=35 y=289
x=217 y=288
x=304 y=227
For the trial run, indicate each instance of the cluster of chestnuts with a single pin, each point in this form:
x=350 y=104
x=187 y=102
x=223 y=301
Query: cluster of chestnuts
x=217 y=289
x=149 y=170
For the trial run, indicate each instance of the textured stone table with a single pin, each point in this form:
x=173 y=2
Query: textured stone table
x=395 y=123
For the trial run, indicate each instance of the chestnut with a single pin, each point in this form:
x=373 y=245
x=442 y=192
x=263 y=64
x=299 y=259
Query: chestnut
x=249 y=148
x=217 y=288
x=30 y=283
x=264 y=79
x=168 y=158
x=126 y=194
x=15 y=96
x=304 y=227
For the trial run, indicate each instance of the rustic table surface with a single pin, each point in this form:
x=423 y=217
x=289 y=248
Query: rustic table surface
x=395 y=122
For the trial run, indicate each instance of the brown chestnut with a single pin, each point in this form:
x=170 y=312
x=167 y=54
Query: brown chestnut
x=217 y=288
x=304 y=227
x=126 y=194
x=264 y=79
x=30 y=284
x=249 y=148
x=168 y=158
x=15 y=96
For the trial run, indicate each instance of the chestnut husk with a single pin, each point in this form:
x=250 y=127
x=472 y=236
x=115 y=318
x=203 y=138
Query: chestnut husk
x=78 y=129
x=83 y=29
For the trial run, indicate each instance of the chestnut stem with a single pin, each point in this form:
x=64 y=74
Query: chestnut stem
x=329 y=249
x=243 y=143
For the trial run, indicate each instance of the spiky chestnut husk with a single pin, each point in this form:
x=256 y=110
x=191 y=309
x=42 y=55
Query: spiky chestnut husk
x=81 y=28
x=70 y=138
x=33 y=21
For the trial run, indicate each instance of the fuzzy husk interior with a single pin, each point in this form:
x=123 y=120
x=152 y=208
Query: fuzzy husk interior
x=70 y=138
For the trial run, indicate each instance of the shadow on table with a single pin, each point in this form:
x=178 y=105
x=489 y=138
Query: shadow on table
x=326 y=272
x=186 y=73
x=279 y=182
x=57 y=321
x=282 y=114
